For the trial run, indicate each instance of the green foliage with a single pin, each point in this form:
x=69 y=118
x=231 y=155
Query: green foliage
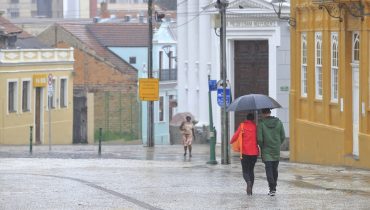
x=167 y=4
x=110 y=136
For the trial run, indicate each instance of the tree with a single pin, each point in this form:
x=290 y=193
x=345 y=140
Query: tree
x=167 y=4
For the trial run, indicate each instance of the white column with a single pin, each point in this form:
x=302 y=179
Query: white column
x=193 y=55
x=182 y=56
x=205 y=59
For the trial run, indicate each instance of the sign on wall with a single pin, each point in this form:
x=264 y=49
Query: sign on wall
x=149 y=89
x=40 y=80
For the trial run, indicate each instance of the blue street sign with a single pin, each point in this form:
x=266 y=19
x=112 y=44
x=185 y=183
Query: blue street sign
x=220 y=96
x=212 y=85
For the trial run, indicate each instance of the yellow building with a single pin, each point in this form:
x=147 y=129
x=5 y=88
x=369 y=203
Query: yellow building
x=330 y=82
x=27 y=77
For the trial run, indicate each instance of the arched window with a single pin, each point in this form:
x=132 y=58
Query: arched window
x=356 y=47
x=304 y=65
x=318 y=65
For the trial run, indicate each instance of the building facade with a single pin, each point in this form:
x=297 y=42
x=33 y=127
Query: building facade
x=329 y=96
x=25 y=99
x=48 y=8
x=105 y=86
x=257 y=57
x=164 y=68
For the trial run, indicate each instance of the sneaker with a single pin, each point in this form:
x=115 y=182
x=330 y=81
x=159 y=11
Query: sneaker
x=271 y=193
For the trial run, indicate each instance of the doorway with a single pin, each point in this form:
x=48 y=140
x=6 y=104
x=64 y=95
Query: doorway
x=79 y=119
x=38 y=114
x=251 y=71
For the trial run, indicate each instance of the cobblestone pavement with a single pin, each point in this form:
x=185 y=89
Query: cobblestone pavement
x=138 y=177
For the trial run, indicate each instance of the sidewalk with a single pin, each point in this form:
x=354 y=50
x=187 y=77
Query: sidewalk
x=118 y=151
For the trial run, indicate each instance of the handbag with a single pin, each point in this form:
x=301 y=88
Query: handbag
x=237 y=146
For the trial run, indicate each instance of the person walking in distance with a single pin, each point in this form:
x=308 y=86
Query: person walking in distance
x=270 y=137
x=249 y=150
x=188 y=134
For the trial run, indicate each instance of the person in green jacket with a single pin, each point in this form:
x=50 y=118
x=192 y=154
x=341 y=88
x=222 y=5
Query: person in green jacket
x=270 y=136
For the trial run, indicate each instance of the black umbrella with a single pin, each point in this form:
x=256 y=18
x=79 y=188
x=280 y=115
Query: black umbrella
x=253 y=102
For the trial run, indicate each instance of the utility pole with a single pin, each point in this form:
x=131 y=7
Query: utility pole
x=225 y=157
x=150 y=134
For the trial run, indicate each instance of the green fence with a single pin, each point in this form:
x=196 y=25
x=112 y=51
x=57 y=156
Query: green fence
x=118 y=114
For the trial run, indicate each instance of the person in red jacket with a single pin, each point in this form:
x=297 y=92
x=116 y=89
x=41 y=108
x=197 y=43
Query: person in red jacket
x=250 y=150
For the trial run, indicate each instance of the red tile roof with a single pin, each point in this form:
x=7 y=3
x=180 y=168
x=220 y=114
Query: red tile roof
x=120 y=35
x=100 y=36
x=10 y=28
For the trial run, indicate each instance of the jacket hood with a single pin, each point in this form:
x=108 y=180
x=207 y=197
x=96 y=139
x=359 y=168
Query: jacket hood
x=271 y=122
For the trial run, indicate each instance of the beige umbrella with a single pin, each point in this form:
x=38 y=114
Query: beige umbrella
x=178 y=118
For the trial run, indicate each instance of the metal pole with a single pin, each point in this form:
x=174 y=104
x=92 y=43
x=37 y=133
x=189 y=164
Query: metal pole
x=169 y=64
x=225 y=159
x=100 y=137
x=31 y=139
x=49 y=122
x=212 y=134
x=150 y=141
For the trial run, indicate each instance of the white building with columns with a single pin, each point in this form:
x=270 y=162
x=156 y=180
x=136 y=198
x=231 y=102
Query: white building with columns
x=257 y=57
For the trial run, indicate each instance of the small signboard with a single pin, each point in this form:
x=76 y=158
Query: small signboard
x=40 y=80
x=50 y=85
x=212 y=85
x=149 y=89
x=220 y=97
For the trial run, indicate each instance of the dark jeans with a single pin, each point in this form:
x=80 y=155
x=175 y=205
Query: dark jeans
x=248 y=163
x=271 y=168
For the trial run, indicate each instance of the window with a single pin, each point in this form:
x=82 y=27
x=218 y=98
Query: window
x=14 y=12
x=14 y=1
x=161 y=109
x=52 y=98
x=132 y=60
x=63 y=93
x=172 y=104
x=304 y=65
x=334 y=67
x=318 y=65
x=356 y=47
x=12 y=96
x=26 y=96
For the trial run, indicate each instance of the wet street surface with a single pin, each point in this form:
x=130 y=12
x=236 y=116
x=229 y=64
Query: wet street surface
x=136 y=177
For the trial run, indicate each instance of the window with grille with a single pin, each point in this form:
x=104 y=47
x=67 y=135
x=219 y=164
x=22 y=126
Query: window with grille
x=356 y=47
x=318 y=65
x=132 y=60
x=161 y=109
x=304 y=65
x=334 y=67
x=12 y=96
x=63 y=93
x=26 y=96
x=14 y=12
